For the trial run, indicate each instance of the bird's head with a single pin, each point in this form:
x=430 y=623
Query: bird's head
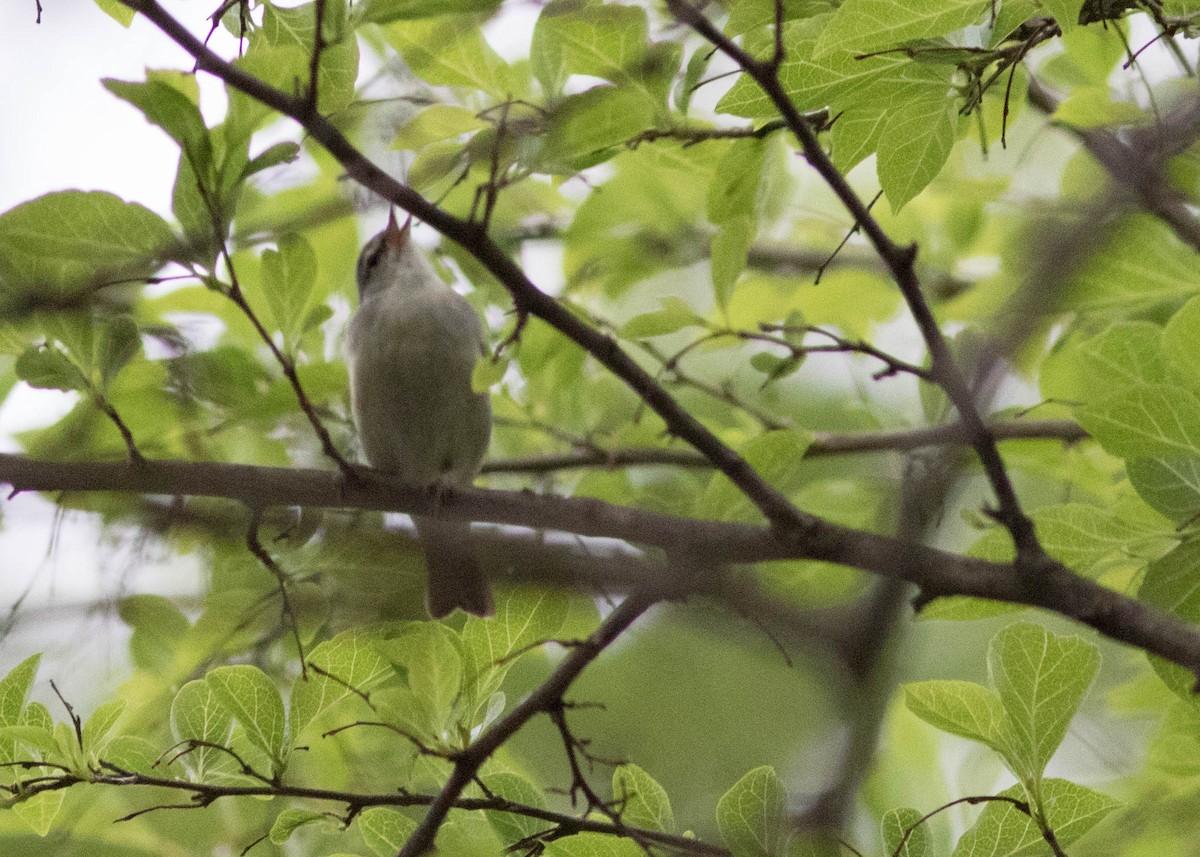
x=382 y=258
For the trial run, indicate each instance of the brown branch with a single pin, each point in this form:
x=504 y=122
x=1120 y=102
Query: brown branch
x=288 y=365
x=900 y=262
x=1138 y=165
x=547 y=695
x=824 y=444
x=528 y=299
x=937 y=573
x=565 y=824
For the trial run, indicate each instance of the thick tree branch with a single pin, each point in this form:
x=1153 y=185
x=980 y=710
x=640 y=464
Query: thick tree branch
x=937 y=573
x=527 y=297
x=824 y=444
x=900 y=262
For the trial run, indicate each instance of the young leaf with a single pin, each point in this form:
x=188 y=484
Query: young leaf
x=288 y=277
x=1041 y=678
x=898 y=822
x=14 y=688
x=97 y=731
x=49 y=369
x=776 y=455
x=451 y=51
x=510 y=826
x=118 y=11
x=429 y=653
x=750 y=815
x=961 y=708
x=120 y=341
x=642 y=801
x=1150 y=421
x=59 y=245
x=171 y=110
x=384 y=830
x=1070 y=810
x=254 y=701
x=355 y=666
x=860 y=26
x=288 y=821
x=914 y=145
x=198 y=715
x=674 y=316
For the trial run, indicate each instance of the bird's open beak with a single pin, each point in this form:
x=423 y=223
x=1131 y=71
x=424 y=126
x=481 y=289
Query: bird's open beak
x=396 y=236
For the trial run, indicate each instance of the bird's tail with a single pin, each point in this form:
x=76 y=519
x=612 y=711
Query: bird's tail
x=455 y=576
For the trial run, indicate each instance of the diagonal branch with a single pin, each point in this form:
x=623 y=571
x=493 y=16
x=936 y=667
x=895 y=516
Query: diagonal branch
x=528 y=299
x=900 y=262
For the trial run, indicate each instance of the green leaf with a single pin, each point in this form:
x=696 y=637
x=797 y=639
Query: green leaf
x=255 y=703
x=1171 y=485
x=1041 y=678
x=451 y=51
x=435 y=123
x=733 y=191
x=120 y=341
x=914 y=145
x=750 y=815
x=487 y=373
x=386 y=11
x=1129 y=354
x=297 y=25
x=1081 y=536
x=198 y=715
x=1179 y=340
x=158 y=627
x=171 y=110
x=355 y=666
x=118 y=11
x=288 y=277
x=592 y=121
x=642 y=801
x=14 y=689
x=747 y=15
x=1093 y=107
x=384 y=830
x=429 y=654
x=592 y=845
x=898 y=822
x=523 y=617
x=288 y=821
x=40 y=810
x=860 y=26
x=1065 y=12
x=97 y=731
x=776 y=455
x=59 y=245
x=961 y=708
x=674 y=316
x=510 y=826
x=49 y=369
x=729 y=251
x=272 y=156
x=606 y=41
x=1155 y=420
x=1002 y=830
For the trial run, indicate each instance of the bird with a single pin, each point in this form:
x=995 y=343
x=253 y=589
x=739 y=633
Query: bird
x=411 y=349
